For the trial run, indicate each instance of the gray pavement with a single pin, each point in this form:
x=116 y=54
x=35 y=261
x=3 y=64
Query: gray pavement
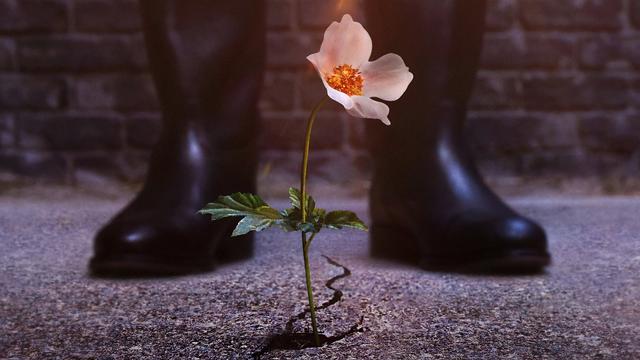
x=585 y=306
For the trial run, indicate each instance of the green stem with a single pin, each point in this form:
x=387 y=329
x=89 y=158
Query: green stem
x=305 y=158
x=303 y=209
x=306 y=246
x=307 y=274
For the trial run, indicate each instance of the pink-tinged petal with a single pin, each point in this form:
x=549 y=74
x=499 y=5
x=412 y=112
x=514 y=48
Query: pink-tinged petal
x=334 y=94
x=338 y=96
x=346 y=42
x=320 y=64
x=364 y=107
x=386 y=78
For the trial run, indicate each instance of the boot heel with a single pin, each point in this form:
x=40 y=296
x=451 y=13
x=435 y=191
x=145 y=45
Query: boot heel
x=235 y=248
x=388 y=242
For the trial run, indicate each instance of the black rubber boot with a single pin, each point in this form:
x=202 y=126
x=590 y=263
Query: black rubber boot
x=207 y=60
x=428 y=202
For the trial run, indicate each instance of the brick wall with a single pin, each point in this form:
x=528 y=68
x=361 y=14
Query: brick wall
x=557 y=94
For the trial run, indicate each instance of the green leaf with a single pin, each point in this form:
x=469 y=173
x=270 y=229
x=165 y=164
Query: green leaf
x=240 y=204
x=308 y=227
x=341 y=218
x=251 y=223
x=257 y=214
x=293 y=221
x=295 y=196
x=315 y=216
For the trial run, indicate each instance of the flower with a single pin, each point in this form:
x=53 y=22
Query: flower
x=351 y=79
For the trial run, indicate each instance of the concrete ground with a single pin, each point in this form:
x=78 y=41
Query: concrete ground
x=586 y=306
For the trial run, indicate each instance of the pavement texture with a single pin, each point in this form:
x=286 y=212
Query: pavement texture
x=587 y=305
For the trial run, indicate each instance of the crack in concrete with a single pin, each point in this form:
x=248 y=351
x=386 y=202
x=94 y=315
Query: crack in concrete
x=298 y=341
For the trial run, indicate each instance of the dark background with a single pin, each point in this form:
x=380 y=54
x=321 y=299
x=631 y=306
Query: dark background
x=557 y=96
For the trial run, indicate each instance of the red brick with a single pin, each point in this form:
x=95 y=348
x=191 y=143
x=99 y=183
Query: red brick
x=107 y=16
x=81 y=54
x=290 y=50
x=357 y=136
x=31 y=16
x=94 y=168
x=610 y=133
x=534 y=51
x=566 y=93
x=561 y=161
x=314 y=14
x=7 y=133
x=7 y=54
x=279 y=91
x=143 y=131
x=500 y=15
x=498 y=133
x=34 y=164
x=69 y=132
x=492 y=92
x=286 y=132
x=598 y=51
x=578 y=15
x=634 y=13
x=279 y=14
x=32 y=92
x=116 y=92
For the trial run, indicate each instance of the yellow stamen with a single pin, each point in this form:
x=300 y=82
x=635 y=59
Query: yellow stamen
x=346 y=79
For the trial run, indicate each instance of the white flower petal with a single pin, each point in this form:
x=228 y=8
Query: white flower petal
x=334 y=94
x=338 y=96
x=386 y=78
x=318 y=62
x=346 y=42
x=364 y=107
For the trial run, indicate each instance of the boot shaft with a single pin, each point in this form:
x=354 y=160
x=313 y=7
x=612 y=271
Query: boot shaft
x=207 y=60
x=440 y=41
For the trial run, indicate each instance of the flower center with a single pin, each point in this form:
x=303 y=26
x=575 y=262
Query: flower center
x=346 y=79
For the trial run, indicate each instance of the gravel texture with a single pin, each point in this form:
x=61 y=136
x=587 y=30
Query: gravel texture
x=585 y=306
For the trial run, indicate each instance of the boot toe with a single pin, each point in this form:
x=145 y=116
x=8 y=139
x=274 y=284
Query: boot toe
x=517 y=233
x=507 y=245
x=481 y=232
x=148 y=246
x=121 y=237
x=510 y=244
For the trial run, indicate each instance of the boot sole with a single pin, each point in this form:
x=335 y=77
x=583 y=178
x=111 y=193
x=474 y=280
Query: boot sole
x=143 y=265
x=397 y=244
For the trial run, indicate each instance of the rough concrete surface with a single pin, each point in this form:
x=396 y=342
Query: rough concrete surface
x=585 y=306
